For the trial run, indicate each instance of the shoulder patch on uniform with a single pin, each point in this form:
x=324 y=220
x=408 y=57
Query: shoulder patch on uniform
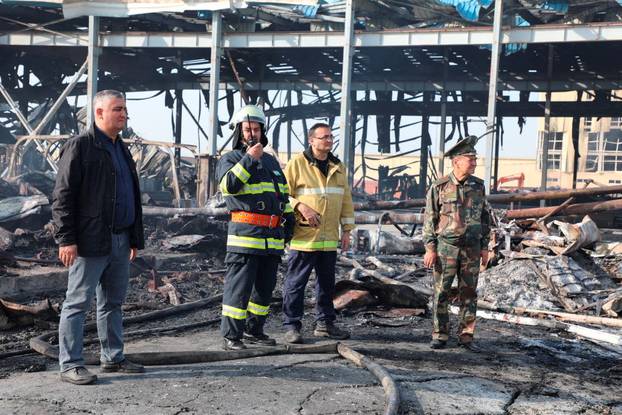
x=276 y=172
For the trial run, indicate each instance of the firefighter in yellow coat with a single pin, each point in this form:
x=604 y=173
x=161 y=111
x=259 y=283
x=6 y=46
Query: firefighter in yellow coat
x=322 y=202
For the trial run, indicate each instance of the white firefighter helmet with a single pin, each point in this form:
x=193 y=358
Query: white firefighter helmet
x=248 y=113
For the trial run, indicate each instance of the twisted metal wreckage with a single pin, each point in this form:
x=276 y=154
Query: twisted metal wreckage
x=288 y=58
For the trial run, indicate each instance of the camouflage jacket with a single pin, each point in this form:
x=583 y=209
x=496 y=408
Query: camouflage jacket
x=456 y=213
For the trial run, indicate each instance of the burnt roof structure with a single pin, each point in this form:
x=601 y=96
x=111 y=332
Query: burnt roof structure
x=420 y=58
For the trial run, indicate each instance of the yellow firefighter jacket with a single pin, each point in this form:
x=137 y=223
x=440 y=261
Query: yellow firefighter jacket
x=329 y=195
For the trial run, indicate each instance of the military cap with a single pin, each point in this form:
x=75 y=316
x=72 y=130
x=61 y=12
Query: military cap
x=464 y=147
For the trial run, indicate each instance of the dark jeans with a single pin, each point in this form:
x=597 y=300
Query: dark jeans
x=299 y=267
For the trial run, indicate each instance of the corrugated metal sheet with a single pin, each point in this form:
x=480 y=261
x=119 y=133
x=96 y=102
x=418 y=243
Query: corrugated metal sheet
x=467 y=9
x=125 y=8
x=559 y=6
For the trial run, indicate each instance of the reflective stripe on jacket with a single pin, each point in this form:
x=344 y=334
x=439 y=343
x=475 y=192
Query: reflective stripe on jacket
x=329 y=195
x=256 y=186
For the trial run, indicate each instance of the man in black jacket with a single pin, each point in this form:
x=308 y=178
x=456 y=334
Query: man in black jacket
x=98 y=215
x=262 y=221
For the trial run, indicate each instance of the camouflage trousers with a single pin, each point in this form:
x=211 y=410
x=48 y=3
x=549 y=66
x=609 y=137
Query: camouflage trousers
x=462 y=262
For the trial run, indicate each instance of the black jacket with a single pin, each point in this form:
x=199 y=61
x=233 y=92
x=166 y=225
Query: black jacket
x=84 y=197
x=257 y=186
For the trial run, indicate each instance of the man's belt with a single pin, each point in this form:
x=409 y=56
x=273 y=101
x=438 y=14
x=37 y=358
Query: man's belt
x=257 y=219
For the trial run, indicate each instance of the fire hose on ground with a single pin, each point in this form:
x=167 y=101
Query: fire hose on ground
x=42 y=345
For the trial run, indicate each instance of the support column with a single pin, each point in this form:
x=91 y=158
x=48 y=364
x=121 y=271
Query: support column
x=289 y=126
x=179 y=100
x=214 y=79
x=496 y=163
x=345 y=115
x=305 y=130
x=547 y=126
x=443 y=131
x=426 y=141
x=93 y=68
x=23 y=103
x=492 y=89
x=576 y=122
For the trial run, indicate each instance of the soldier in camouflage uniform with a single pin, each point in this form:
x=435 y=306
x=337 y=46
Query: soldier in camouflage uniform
x=456 y=234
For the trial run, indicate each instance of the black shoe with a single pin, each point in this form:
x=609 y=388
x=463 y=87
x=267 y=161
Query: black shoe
x=261 y=339
x=235 y=344
x=469 y=346
x=326 y=329
x=293 y=336
x=124 y=366
x=78 y=376
x=438 y=344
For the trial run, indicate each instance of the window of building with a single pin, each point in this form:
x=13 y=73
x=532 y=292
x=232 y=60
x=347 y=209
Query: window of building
x=591 y=162
x=612 y=162
x=555 y=144
x=554 y=161
x=556 y=140
x=552 y=179
x=613 y=140
x=587 y=123
x=616 y=122
x=593 y=142
x=615 y=181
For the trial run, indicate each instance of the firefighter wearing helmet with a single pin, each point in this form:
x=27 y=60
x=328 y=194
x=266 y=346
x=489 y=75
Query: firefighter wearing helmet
x=256 y=193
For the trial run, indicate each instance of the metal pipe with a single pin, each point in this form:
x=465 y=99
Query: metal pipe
x=50 y=114
x=576 y=209
x=369 y=218
x=496 y=198
x=12 y=162
x=20 y=116
x=61 y=99
x=399 y=217
x=495 y=56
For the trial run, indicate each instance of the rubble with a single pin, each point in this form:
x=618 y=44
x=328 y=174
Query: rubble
x=14 y=314
x=557 y=279
x=19 y=207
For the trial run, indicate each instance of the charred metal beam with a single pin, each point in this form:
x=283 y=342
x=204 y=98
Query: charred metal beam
x=576 y=209
x=504 y=109
x=474 y=35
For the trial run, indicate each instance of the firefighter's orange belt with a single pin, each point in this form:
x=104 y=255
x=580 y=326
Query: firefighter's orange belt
x=257 y=219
